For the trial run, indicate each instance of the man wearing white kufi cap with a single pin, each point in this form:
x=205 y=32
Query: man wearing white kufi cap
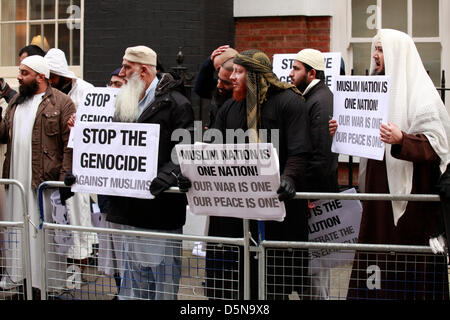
x=417 y=153
x=308 y=76
x=78 y=207
x=152 y=268
x=35 y=131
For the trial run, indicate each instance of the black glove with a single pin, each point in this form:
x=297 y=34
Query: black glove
x=286 y=191
x=444 y=184
x=158 y=185
x=443 y=188
x=184 y=184
x=64 y=194
x=69 y=179
x=162 y=182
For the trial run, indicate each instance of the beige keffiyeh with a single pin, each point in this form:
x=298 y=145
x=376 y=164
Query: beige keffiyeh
x=259 y=78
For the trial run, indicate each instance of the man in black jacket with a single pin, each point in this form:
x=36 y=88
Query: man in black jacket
x=219 y=89
x=308 y=76
x=152 y=267
x=262 y=103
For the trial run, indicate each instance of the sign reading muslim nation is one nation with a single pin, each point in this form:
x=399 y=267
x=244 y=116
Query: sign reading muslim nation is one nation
x=360 y=106
x=114 y=158
x=232 y=180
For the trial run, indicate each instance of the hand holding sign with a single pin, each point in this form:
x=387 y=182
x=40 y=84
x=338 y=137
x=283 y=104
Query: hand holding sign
x=332 y=127
x=391 y=133
x=184 y=184
x=71 y=121
x=286 y=191
x=161 y=183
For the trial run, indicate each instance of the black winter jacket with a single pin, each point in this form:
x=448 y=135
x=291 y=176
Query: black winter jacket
x=171 y=110
x=323 y=165
x=284 y=117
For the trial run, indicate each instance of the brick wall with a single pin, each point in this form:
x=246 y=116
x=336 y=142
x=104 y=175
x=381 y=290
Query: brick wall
x=343 y=174
x=164 y=25
x=198 y=26
x=283 y=34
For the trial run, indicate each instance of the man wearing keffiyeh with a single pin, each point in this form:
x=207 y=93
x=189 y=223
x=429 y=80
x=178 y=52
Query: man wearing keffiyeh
x=259 y=79
x=270 y=111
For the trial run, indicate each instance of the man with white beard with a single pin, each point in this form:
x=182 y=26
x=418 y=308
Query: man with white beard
x=152 y=268
x=34 y=129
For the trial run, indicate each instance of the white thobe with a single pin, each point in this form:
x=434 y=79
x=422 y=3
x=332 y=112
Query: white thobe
x=20 y=169
x=78 y=206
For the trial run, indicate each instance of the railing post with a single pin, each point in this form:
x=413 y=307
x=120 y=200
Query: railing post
x=443 y=86
x=27 y=246
x=261 y=272
x=26 y=254
x=43 y=265
x=246 y=260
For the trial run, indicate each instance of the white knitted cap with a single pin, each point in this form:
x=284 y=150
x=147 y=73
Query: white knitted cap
x=38 y=64
x=313 y=58
x=141 y=54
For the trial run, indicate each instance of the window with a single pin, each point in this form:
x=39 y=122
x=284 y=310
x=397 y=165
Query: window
x=47 y=23
x=418 y=18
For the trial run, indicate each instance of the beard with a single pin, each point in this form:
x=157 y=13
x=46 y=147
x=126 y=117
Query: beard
x=240 y=93
x=62 y=86
x=128 y=97
x=27 y=90
x=303 y=85
x=378 y=73
x=221 y=97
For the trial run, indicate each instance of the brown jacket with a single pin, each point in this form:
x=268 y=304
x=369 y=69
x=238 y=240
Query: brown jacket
x=51 y=158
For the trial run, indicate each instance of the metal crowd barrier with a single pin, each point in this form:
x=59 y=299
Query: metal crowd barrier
x=332 y=280
x=93 y=279
x=336 y=278
x=15 y=274
x=354 y=273
x=85 y=281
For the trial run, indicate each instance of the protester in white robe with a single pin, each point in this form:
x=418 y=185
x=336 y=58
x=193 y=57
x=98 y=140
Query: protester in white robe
x=78 y=207
x=21 y=170
x=17 y=128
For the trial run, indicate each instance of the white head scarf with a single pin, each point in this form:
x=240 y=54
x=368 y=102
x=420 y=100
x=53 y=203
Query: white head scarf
x=57 y=62
x=414 y=105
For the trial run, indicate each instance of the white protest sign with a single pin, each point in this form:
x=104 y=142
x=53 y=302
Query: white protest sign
x=332 y=68
x=360 y=105
x=232 y=180
x=283 y=63
x=114 y=158
x=97 y=105
x=334 y=221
